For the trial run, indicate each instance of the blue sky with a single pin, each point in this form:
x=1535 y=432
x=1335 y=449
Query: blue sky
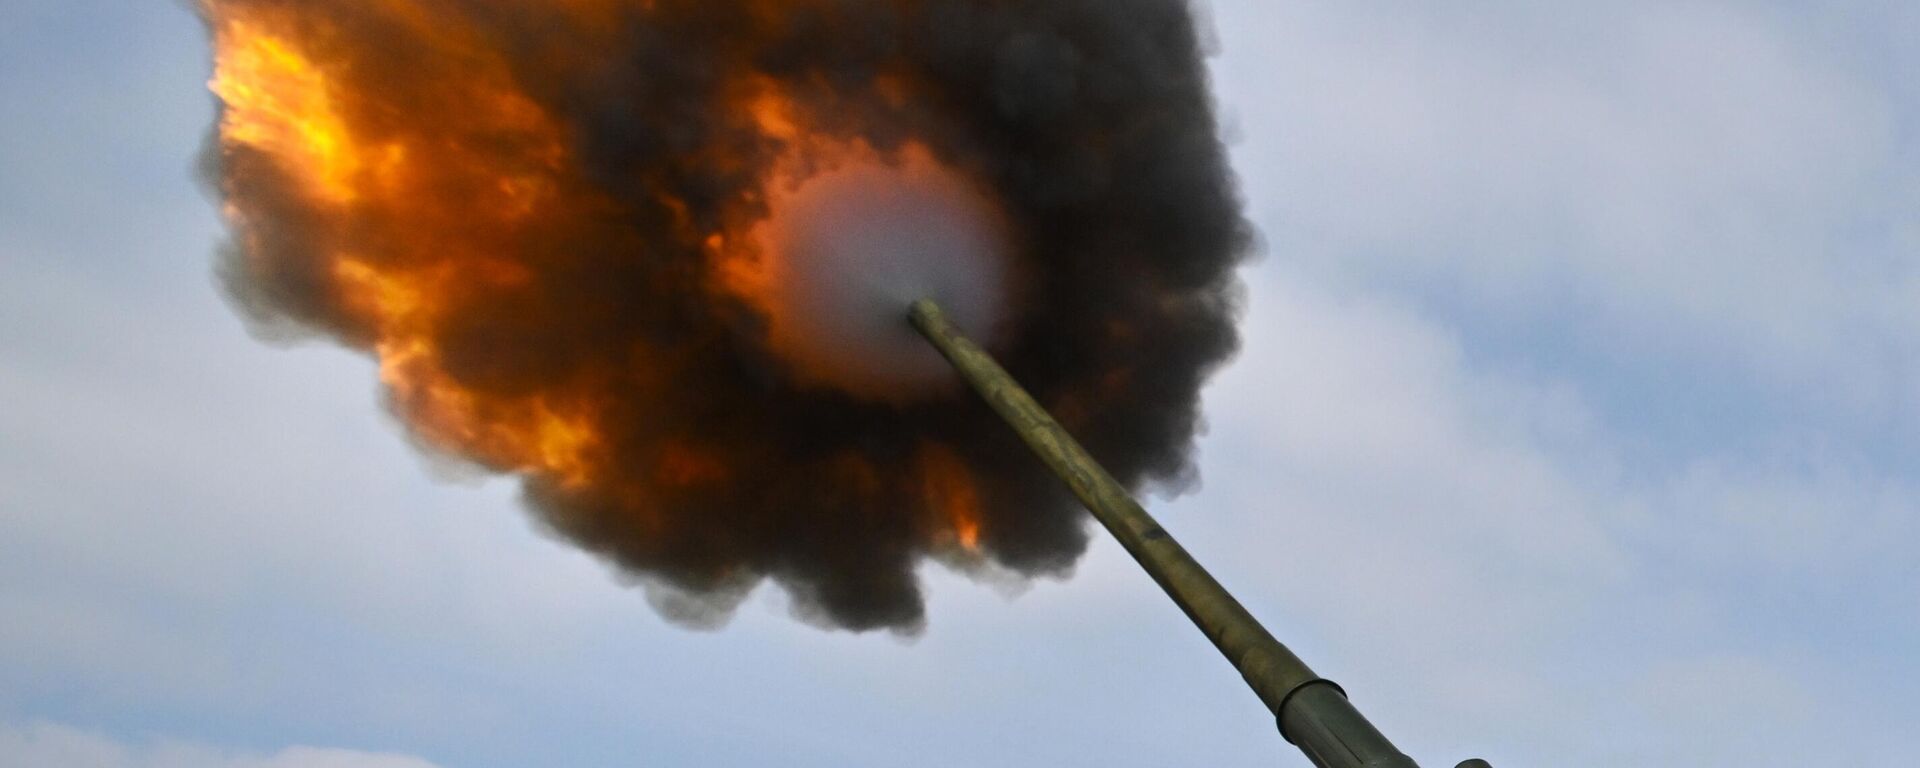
x=1578 y=424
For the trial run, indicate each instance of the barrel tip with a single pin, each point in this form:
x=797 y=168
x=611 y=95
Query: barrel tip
x=924 y=311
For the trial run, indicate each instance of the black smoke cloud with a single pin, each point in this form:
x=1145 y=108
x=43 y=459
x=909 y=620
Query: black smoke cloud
x=712 y=467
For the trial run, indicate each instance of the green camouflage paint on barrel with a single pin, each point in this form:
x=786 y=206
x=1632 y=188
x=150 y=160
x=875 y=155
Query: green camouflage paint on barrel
x=1313 y=713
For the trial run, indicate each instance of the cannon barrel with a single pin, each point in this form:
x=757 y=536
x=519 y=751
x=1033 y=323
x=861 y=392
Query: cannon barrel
x=1313 y=713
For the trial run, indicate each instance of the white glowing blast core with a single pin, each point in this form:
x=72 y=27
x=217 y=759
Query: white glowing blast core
x=847 y=250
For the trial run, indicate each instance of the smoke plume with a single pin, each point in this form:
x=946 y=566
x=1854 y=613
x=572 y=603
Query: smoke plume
x=653 y=257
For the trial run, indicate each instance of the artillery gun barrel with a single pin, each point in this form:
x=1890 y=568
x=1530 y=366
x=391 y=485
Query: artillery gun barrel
x=1313 y=713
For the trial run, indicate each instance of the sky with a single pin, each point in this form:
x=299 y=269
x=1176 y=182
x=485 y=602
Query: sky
x=1577 y=424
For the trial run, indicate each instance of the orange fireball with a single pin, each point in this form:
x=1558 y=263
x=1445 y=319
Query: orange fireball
x=652 y=257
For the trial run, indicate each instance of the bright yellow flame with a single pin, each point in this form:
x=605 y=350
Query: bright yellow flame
x=528 y=433
x=565 y=446
x=423 y=214
x=950 y=489
x=390 y=302
x=279 y=102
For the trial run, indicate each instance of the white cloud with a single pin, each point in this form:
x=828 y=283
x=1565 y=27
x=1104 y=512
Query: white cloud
x=1806 y=516
x=1460 y=544
x=1408 y=508
x=1667 y=181
x=50 y=745
x=1698 y=200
